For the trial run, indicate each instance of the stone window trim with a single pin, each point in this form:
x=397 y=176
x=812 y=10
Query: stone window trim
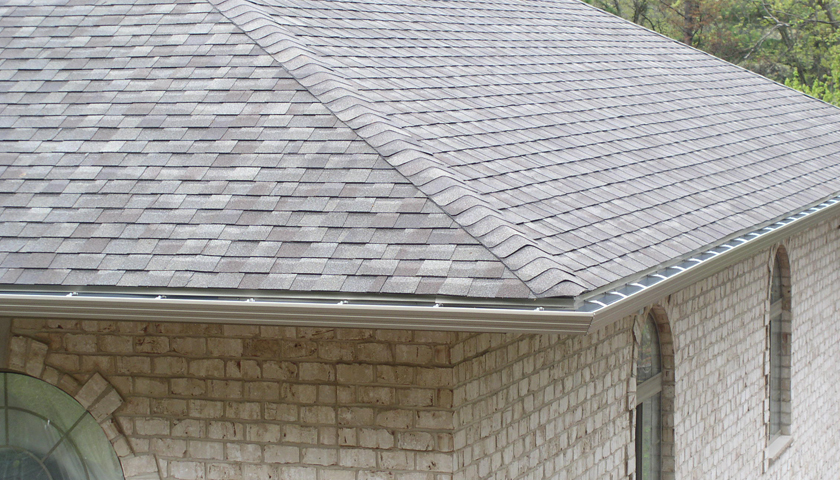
x=99 y=398
x=778 y=321
x=668 y=389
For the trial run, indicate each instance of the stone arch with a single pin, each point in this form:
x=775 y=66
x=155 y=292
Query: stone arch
x=96 y=395
x=668 y=393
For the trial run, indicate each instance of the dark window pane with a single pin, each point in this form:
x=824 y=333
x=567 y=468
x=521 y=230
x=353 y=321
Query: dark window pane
x=775 y=376
x=648 y=439
x=20 y=465
x=776 y=285
x=649 y=363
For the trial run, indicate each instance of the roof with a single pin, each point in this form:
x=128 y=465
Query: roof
x=493 y=149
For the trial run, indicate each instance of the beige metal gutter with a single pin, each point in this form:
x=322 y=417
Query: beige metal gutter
x=728 y=254
x=295 y=313
x=493 y=316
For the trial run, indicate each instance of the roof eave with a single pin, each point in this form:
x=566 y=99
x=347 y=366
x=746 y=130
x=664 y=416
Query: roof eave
x=546 y=316
x=722 y=256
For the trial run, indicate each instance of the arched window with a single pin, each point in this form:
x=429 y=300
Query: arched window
x=45 y=434
x=649 y=379
x=779 y=346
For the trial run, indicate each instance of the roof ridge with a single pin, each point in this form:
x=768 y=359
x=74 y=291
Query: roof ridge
x=537 y=268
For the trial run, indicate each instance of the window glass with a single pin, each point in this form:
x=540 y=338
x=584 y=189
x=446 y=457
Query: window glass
x=776 y=352
x=776 y=285
x=775 y=377
x=648 y=407
x=48 y=435
x=649 y=363
x=31 y=433
x=21 y=465
x=43 y=399
x=64 y=462
x=88 y=437
x=648 y=439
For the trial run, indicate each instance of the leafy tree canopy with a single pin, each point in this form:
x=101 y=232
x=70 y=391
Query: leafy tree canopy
x=794 y=42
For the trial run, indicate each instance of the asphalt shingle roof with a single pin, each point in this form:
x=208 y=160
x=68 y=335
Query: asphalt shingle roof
x=501 y=148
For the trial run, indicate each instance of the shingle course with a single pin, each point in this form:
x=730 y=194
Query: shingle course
x=488 y=149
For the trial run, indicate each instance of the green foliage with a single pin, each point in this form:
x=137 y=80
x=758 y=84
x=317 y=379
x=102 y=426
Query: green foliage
x=826 y=89
x=795 y=42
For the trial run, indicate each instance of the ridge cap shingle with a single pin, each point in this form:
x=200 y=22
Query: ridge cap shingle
x=401 y=151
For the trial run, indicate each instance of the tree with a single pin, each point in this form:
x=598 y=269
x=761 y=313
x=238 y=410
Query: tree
x=795 y=42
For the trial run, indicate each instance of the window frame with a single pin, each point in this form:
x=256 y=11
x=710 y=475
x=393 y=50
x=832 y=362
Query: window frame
x=73 y=444
x=662 y=384
x=778 y=353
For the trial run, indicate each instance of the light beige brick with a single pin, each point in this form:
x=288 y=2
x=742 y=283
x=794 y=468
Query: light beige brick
x=300 y=434
x=115 y=343
x=281 y=412
x=317 y=414
x=247 y=369
x=204 y=368
x=189 y=387
x=168 y=447
x=151 y=344
x=205 y=408
x=80 y=343
x=245 y=452
x=190 y=346
x=276 y=370
x=316 y=372
x=208 y=450
x=224 y=471
x=264 y=433
x=265 y=391
x=414 y=354
x=224 y=430
x=243 y=410
x=169 y=365
x=224 y=347
x=225 y=389
x=319 y=456
x=183 y=470
x=282 y=454
x=354 y=374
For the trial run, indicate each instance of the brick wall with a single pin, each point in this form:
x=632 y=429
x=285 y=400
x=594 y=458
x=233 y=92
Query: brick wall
x=228 y=402
x=542 y=406
x=721 y=344
x=815 y=362
x=719 y=335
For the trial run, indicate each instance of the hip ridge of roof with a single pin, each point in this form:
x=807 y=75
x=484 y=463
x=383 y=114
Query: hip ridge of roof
x=540 y=270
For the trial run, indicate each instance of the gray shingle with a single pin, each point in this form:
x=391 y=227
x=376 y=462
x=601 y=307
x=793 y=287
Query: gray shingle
x=136 y=155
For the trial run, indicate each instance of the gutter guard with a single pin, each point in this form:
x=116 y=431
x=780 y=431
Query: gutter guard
x=629 y=298
x=595 y=312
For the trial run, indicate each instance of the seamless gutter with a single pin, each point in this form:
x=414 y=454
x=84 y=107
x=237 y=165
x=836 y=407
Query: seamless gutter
x=539 y=316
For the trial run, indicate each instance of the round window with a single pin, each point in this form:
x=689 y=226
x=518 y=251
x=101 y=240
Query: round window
x=45 y=434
